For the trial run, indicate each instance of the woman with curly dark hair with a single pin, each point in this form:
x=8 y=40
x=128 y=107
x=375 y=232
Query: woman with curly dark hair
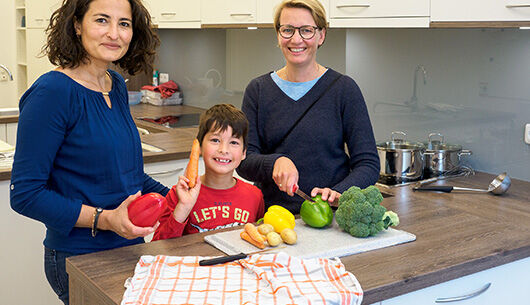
x=78 y=162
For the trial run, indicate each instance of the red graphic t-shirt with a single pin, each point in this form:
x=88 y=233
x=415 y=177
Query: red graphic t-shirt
x=214 y=209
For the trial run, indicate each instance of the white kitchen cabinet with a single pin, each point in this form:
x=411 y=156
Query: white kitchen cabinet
x=175 y=14
x=228 y=12
x=22 y=277
x=36 y=63
x=265 y=10
x=509 y=285
x=11 y=133
x=38 y=12
x=379 y=13
x=480 y=10
x=8 y=133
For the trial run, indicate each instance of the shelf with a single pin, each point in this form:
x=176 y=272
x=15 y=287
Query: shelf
x=20 y=7
x=20 y=28
x=22 y=64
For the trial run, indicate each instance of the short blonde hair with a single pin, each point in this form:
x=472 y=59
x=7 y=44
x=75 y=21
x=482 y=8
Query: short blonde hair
x=314 y=6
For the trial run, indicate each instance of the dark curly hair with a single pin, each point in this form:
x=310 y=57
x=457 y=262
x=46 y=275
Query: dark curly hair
x=64 y=49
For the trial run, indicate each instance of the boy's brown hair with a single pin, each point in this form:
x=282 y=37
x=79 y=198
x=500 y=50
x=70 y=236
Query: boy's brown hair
x=219 y=117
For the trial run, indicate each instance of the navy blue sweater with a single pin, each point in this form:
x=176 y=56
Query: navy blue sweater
x=316 y=145
x=72 y=149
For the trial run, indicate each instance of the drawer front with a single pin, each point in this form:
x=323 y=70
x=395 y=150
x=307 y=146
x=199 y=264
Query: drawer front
x=378 y=8
x=480 y=10
x=228 y=12
x=178 y=11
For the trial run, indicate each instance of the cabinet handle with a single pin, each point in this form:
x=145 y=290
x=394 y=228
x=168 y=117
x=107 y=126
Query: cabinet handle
x=464 y=297
x=240 y=14
x=168 y=14
x=39 y=19
x=352 y=5
x=171 y=171
x=517 y=5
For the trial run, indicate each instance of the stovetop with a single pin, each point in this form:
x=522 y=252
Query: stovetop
x=392 y=182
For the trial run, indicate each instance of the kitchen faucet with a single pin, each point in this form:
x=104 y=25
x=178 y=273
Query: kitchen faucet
x=413 y=102
x=7 y=70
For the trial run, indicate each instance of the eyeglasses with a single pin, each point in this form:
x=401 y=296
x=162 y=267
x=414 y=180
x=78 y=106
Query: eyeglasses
x=305 y=31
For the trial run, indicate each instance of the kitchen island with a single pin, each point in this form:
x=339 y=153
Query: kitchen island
x=457 y=234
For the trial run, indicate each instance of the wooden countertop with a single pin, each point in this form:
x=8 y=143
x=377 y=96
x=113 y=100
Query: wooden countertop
x=457 y=234
x=176 y=142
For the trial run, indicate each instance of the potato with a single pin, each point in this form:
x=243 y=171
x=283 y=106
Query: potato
x=265 y=228
x=289 y=236
x=273 y=239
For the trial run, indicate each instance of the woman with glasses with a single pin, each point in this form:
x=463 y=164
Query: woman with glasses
x=78 y=162
x=303 y=115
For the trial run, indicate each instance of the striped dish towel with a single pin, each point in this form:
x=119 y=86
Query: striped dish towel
x=258 y=279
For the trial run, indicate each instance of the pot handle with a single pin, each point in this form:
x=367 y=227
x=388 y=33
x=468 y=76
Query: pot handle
x=436 y=134
x=398 y=139
x=465 y=152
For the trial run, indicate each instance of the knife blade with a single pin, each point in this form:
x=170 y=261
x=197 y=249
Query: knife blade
x=230 y=258
x=298 y=192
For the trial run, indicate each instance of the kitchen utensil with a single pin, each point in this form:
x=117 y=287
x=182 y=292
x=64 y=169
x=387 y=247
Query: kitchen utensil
x=230 y=258
x=498 y=186
x=400 y=160
x=298 y=192
x=441 y=158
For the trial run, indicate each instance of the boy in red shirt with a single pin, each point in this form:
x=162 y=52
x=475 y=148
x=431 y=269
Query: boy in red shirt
x=218 y=200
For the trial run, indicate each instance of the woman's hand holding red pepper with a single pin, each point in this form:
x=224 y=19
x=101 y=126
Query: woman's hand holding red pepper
x=285 y=175
x=117 y=220
x=187 y=197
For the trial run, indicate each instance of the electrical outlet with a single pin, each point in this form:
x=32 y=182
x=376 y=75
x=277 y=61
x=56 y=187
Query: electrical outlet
x=483 y=88
x=527 y=133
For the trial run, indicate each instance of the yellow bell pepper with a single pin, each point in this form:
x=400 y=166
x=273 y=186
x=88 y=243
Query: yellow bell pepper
x=279 y=217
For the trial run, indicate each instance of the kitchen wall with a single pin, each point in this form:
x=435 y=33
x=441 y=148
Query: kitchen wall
x=476 y=91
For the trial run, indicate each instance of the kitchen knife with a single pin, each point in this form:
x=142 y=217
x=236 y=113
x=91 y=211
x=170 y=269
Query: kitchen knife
x=230 y=258
x=298 y=192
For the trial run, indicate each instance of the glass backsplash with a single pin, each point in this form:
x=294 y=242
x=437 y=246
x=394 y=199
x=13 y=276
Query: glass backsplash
x=470 y=85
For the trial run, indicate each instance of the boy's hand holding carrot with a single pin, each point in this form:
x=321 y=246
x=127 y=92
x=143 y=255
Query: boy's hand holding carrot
x=187 y=197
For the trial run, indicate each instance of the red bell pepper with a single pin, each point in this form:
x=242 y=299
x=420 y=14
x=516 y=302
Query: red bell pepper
x=147 y=209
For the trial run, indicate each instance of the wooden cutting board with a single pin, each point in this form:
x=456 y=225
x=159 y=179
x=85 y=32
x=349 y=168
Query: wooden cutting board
x=315 y=243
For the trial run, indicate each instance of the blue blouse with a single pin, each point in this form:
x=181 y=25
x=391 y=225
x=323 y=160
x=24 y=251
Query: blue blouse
x=72 y=149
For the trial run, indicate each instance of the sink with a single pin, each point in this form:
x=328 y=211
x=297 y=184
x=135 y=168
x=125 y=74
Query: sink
x=151 y=148
x=9 y=111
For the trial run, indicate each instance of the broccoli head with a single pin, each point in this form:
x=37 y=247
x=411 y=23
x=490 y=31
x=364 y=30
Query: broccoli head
x=361 y=214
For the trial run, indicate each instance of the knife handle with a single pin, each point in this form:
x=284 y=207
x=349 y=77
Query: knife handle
x=438 y=188
x=221 y=260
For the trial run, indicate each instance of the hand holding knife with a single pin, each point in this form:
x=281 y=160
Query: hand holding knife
x=298 y=192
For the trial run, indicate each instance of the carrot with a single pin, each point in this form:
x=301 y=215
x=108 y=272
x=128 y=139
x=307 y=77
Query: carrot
x=192 y=170
x=244 y=235
x=253 y=232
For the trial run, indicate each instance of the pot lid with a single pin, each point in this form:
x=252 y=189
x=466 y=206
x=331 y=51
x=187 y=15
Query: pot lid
x=439 y=145
x=398 y=143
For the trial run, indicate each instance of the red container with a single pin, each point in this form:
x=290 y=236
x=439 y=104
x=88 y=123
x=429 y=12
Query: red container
x=147 y=209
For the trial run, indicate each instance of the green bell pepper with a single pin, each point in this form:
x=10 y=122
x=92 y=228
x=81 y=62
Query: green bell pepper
x=316 y=214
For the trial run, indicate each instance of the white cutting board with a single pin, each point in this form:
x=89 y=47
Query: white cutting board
x=315 y=243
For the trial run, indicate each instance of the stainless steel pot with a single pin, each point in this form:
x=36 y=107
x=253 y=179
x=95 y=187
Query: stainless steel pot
x=400 y=161
x=442 y=158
